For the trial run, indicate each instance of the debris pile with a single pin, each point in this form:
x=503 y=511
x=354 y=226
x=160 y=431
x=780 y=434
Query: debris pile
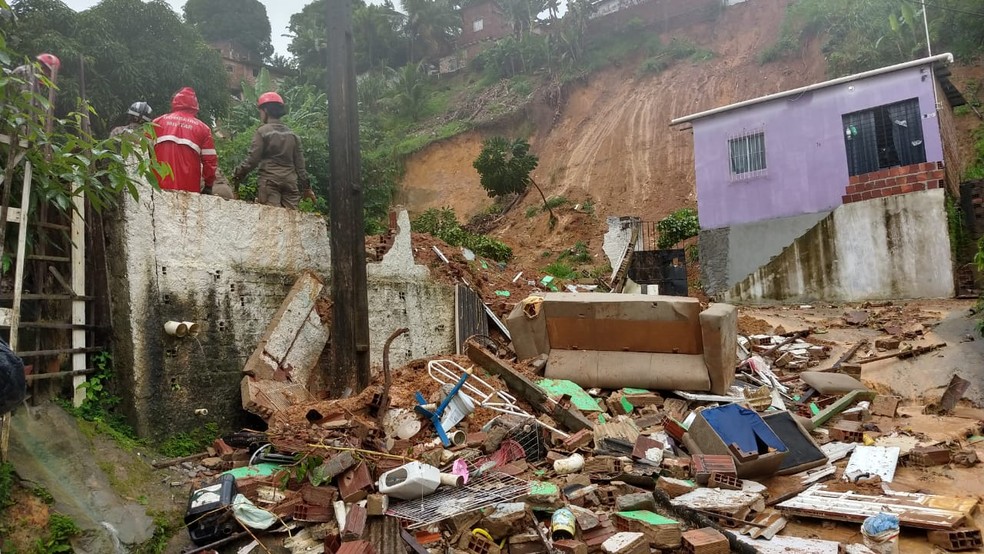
x=488 y=453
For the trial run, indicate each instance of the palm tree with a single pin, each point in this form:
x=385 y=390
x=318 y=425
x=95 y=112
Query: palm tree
x=430 y=27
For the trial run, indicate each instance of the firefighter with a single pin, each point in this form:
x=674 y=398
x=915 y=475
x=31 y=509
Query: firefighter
x=185 y=143
x=283 y=179
x=137 y=115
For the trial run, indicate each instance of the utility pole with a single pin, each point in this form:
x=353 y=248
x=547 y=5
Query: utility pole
x=929 y=48
x=350 y=304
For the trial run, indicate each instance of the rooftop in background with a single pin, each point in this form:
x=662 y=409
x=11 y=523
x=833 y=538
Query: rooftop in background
x=942 y=74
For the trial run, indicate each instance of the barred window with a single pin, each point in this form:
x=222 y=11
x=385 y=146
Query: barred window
x=747 y=155
x=883 y=137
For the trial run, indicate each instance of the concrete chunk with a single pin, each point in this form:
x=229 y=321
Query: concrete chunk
x=626 y=543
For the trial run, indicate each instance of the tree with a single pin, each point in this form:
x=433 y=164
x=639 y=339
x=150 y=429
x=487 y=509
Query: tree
x=122 y=66
x=430 y=28
x=505 y=167
x=243 y=22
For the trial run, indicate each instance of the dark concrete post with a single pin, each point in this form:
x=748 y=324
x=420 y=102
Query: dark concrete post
x=350 y=311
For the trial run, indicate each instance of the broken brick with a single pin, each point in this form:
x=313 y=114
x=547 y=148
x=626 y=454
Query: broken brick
x=926 y=456
x=678 y=468
x=527 y=543
x=354 y=484
x=887 y=343
x=675 y=487
x=705 y=541
x=886 y=406
x=567 y=546
x=626 y=543
x=377 y=504
x=580 y=439
x=635 y=502
x=355 y=523
x=312 y=513
x=958 y=539
x=661 y=532
x=221 y=448
x=477 y=544
x=705 y=464
x=847 y=431
x=644 y=447
x=356 y=547
x=719 y=481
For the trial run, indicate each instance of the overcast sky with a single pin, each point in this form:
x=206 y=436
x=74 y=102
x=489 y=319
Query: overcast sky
x=279 y=12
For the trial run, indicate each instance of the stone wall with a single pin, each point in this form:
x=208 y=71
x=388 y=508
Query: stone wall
x=228 y=266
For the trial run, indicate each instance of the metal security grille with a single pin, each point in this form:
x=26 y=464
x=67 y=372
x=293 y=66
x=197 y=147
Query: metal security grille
x=883 y=137
x=747 y=155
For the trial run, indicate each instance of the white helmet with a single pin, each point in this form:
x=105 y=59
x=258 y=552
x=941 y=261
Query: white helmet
x=141 y=110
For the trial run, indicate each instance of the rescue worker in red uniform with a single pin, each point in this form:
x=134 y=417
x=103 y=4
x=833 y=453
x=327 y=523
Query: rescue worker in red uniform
x=185 y=143
x=283 y=179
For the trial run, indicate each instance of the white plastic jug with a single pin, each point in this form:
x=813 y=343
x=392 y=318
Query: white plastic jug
x=413 y=480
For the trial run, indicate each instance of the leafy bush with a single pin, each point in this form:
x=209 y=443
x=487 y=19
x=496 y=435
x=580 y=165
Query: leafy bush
x=443 y=224
x=99 y=405
x=578 y=253
x=186 y=444
x=678 y=226
x=60 y=530
x=560 y=270
x=6 y=485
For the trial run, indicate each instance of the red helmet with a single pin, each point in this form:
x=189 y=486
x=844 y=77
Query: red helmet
x=50 y=61
x=269 y=98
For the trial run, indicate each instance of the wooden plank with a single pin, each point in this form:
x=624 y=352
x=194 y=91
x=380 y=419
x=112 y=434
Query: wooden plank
x=526 y=389
x=470 y=317
x=58 y=374
x=79 y=358
x=40 y=258
x=844 y=403
x=19 y=261
x=35 y=296
x=56 y=351
x=922 y=511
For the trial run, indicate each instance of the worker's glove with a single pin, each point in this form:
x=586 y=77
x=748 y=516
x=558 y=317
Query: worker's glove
x=309 y=194
x=207 y=189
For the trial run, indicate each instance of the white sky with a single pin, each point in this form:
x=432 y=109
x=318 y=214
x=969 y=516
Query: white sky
x=279 y=12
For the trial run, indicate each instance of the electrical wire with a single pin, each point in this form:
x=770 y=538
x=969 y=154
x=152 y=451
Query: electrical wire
x=944 y=8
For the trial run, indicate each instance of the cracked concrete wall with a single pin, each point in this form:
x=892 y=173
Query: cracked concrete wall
x=403 y=294
x=229 y=265
x=729 y=254
x=885 y=248
x=224 y=264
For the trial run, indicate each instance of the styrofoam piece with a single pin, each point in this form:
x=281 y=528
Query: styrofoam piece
x=874 y=460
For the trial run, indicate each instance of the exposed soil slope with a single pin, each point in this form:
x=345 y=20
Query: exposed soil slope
x=612 y=143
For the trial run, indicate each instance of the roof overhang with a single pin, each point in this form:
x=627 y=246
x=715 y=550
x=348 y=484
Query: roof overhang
x=941 y=59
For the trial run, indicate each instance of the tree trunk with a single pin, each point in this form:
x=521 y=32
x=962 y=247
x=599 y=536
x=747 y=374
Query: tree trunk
x=553 y=218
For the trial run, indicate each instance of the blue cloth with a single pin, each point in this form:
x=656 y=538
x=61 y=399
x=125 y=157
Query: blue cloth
x=876 y=525
x=744 y=427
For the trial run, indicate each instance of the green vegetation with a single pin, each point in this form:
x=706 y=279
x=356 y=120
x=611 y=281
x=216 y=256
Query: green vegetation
x=444 y=225
x=859 y=35
x=578 y=253
x=43 y=494
x=6 y=485
x=560 y=270
x=505 y=168
x=676 y=227
x=243 y=21
x=99 y=406
x=61 y=529
x=191 y=442
x=166 y=524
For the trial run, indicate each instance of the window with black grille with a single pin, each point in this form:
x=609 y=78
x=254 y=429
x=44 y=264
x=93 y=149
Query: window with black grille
x=883 y=137
x=747 y=155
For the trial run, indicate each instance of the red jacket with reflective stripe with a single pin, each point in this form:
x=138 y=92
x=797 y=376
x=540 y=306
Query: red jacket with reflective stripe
x=185 y=143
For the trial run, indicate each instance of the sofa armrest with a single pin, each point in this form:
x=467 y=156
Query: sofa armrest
x=719 y=331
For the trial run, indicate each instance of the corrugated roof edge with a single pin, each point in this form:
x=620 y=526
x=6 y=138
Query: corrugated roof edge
x=944 y=58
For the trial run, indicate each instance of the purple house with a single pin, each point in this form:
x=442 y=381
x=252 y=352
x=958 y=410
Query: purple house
x=771 y=169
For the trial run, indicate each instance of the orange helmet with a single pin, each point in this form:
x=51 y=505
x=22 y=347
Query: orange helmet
x=50 y=61
x=269 y=98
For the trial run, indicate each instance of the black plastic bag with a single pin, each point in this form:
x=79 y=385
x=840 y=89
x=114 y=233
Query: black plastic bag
x=13 y=385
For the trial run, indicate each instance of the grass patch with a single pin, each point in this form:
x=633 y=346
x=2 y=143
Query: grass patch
x=444 y=225
x=43 y=494
x=560 y=270
x=191 y=442
x=166 y=525
x=557 y=201
x=588 y=207
x=6 y=485
x=532 y=211
x=578 y=253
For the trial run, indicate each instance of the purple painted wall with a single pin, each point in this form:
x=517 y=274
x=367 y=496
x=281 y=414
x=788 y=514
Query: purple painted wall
x=805 y=152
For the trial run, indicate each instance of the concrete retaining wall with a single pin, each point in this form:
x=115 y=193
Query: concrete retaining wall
x=730 y=254
x=228 y=265
x=893 y=247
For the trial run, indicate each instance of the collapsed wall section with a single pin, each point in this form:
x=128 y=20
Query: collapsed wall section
x=228 y=266
x=892 y=247
x=222 y=264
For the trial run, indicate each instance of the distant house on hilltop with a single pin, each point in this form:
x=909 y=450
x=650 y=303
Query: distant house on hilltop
x=241 y=65
x=832 y=191
x=481 y=21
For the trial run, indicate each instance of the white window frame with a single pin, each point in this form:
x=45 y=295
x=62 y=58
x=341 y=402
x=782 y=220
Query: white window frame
x=756 y=160
x=478 y=25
